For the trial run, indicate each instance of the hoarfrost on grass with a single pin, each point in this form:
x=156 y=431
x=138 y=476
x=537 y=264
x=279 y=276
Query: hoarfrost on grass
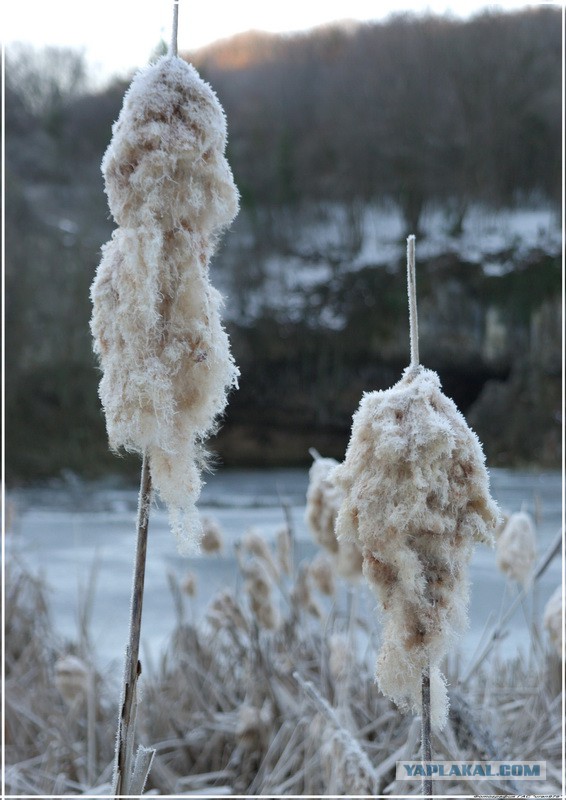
x=164 y=354
x=416 y=500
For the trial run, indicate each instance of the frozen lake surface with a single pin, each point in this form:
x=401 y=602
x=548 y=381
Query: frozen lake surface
x=65 y=530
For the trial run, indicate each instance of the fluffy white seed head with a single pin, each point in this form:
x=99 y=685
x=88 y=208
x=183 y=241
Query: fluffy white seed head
x=259 y=588
x=212 y=540
x=165 y=166
x=516 y=548
x=189 y=584
x=341 y=657
x=416 y=500
x=164 y=354
x=71 y=678
x=255 y=544
x=301 y=593
x=249 y=727
x=224 y=612
x=324 y=499
x=323 y=502
x=348 y=561
x=322 y=574
x=552 y=619
x=284 y=548
x=253 y=724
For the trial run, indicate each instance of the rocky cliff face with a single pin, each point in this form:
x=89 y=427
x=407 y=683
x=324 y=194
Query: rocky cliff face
x=520 y=419
x=493 y=333
x=317 y=310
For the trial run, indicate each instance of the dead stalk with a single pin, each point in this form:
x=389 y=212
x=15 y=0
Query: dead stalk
x=132 y=667
x=414 y=335
x=426 y=733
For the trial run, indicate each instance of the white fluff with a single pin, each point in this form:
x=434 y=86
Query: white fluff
x=324 y=499
x=416 y=500
x=71 y=678
x=164 y=354
x=516 y=548
x=323 y=502
x=212 y=540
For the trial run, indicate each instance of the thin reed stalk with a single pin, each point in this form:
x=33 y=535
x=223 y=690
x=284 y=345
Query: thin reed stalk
x=414 y=336
x=426 y=733
x=173 y=50
x=412 y=295
x=132 y=667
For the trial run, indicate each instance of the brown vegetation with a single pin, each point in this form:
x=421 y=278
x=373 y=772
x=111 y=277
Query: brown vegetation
x=234 y=706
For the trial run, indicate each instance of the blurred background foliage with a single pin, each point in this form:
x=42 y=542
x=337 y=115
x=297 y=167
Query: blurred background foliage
x=414 y=114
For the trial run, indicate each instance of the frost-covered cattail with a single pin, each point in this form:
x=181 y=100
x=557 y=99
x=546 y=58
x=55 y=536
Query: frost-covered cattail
x=322 y=574
x=417 y=499
x=284 y=547
x=253 y=724
x=259 y=588
x=224 y=612
x=503 y=520
x=189 y=584
x=301 y=594
x=340 y=657
x=164 y=354
x=211 y=540
x=254 y=544
x=323 y=502
x=324 y=499
x=516 y=548
x=249 y=727
x=71 y=678
x=552 y=619
x=348 y=561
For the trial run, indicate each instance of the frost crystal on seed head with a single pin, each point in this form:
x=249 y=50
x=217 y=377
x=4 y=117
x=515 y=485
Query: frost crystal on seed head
x=165 y=357
x=416 y=500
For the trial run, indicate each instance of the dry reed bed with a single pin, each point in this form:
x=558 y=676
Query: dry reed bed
x=235 y=707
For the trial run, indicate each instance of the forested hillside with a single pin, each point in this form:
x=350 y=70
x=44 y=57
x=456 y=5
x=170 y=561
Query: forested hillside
x=341 y=140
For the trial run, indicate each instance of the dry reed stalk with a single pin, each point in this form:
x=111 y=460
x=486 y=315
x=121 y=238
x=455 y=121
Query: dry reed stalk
x=426 y=743
x=126 y=770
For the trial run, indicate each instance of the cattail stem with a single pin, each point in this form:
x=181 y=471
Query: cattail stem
x=414 y=333
x=426 y=732
x=132 y=667
x=173 y=47
x=412 y=292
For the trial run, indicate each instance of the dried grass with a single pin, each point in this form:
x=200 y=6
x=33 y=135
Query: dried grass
x=237 y=708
